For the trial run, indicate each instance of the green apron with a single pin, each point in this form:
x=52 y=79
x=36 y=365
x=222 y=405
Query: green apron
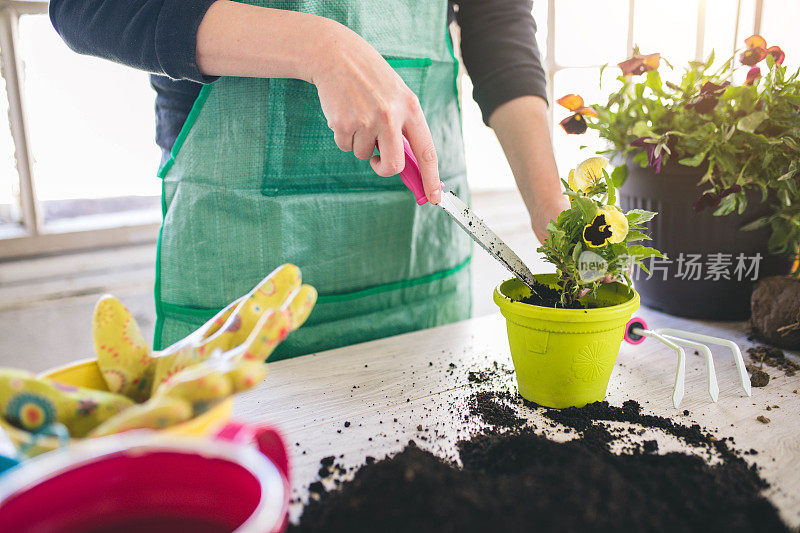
x=256 y=180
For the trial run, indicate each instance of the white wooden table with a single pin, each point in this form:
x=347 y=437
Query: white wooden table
x=389 y=388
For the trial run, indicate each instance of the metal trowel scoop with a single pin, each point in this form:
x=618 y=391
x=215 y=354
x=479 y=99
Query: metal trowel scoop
x=462 y=214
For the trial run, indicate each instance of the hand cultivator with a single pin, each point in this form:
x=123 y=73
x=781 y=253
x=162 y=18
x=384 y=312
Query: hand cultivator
x=636 y=331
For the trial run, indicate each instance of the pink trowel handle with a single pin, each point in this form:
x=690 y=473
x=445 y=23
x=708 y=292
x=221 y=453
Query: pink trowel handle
x=411 y=176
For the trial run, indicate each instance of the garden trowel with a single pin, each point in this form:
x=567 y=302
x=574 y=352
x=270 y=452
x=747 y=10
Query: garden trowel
x=473 y=225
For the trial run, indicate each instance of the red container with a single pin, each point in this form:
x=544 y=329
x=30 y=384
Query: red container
x=141 y=481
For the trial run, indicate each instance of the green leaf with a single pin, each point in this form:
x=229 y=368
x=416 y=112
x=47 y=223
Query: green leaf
x=641 y=129
x=750 y=122
x=587 y=207
x=555 y=232
x=653 y=81
x=619 y=175
x=756 y=224
x=635 y=235
x=741 y=203
x=641 y=252
x=612 y=190
x=639 y=216
x=694 y=161
x=576 y=252
x=726 y=206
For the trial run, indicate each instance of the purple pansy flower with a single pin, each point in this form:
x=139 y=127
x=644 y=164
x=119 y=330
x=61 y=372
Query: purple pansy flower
x=653 y=159
x=707 y=99
x=710 y=199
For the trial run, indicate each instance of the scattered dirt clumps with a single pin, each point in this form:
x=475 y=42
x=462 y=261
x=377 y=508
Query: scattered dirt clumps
x=493 y=408
x=519 y=480
x=773 y=357
x=758 y=378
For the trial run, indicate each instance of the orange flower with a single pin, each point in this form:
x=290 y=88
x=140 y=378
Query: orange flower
x=777 y=54
x=639 y=64
x=575 y=123
x=757 y=50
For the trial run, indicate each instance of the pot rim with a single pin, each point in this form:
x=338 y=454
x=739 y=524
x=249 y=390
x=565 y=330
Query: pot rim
x=266 y=516
x=552 y=314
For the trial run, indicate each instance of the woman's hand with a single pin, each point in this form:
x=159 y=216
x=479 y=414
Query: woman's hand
x=366 y=101
x=363 y=98
x=544 y=212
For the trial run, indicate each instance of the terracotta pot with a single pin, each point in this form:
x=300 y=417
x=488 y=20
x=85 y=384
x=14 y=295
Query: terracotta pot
x=674 y=287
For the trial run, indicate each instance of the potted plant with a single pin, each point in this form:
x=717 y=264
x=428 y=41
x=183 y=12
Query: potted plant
x=565 y=336
x=719 y=160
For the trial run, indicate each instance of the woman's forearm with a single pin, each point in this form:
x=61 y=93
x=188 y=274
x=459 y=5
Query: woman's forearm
x=521 y=127
x=237 y=39
x=364 y=100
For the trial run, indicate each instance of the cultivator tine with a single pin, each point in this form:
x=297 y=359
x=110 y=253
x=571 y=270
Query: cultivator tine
x=737 y=354
x=711 y=375
x=680 y=374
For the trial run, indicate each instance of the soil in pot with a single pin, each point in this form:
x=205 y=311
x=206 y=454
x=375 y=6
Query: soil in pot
x=519 y=480
x=546 y=296
x=696 y=281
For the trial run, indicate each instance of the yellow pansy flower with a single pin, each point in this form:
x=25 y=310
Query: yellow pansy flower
x=609 y=226
x=587 y=174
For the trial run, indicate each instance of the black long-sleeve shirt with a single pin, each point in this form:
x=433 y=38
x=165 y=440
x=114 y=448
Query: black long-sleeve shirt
x=498 y=47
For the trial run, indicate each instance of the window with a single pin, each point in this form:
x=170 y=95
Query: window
x=77 y=157
x=78 y=161
x=577 y=38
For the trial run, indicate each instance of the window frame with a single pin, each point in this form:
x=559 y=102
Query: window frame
x=35 y=237
x=552 y=67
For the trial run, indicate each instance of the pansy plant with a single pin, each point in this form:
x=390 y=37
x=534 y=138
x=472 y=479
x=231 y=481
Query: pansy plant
x=743 y=136
x=593 y=241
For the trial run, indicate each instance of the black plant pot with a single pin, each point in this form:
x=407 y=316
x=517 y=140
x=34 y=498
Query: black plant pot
x=673 y=286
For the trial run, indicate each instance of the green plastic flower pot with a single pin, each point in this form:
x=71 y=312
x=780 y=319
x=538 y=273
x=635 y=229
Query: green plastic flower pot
x=564 y=357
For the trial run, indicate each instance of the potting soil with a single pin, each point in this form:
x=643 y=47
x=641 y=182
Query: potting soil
x=548 y=297
x=513 y=478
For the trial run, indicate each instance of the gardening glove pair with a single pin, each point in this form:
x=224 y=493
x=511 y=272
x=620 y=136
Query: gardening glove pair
x=249 y=328
x=33 y=403
x=224 y=356
x=189 y=393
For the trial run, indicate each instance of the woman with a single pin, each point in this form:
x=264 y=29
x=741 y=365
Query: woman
x=256 y=171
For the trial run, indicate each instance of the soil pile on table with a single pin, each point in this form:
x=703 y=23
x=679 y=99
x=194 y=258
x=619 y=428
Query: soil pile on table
x=518 y=480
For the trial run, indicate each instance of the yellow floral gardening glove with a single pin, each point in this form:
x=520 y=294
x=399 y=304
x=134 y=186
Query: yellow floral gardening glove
x=32 y=403
x=189 y=393
x=249 y=328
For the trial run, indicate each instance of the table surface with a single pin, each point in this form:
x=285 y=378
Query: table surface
x=405 y=387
